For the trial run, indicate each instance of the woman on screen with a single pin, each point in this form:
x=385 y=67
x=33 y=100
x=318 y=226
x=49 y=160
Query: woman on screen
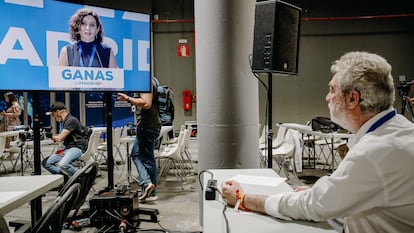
x=88 y=51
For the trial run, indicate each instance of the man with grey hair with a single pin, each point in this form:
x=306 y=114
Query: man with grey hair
x=372 y=188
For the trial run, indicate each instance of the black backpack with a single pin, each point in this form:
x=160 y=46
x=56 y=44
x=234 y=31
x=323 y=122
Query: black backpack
x=325 y=125
x=86 y=132
x=84 y=136
x=165 y=102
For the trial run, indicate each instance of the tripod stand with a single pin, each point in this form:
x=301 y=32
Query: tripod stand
x=405 y=105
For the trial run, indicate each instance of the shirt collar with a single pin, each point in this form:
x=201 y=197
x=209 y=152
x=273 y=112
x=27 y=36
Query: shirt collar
x=364 y=128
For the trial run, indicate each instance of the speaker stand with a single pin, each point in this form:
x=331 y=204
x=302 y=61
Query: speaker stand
x=110 y=155
x=269 y=121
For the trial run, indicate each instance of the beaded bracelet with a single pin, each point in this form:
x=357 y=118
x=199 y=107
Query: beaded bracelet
x=240 y=199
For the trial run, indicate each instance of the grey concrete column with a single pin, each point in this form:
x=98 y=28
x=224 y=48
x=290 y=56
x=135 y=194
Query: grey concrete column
x=227 y=91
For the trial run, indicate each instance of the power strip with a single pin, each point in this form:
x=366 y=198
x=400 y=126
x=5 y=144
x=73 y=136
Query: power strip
x=211 y=188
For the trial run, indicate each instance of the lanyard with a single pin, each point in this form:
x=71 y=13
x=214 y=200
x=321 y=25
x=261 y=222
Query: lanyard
x=90 y=59
x=382 y=120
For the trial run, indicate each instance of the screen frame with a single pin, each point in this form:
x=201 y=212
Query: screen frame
x=23 y=74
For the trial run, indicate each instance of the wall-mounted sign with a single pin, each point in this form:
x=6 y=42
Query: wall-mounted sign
x=183 y=50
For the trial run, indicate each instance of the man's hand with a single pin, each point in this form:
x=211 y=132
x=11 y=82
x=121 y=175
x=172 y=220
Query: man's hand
x=228 y=191
x=122 y=97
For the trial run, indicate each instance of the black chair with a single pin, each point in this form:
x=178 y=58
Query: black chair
x=53 y=219
x=85 y=177
x=4 y=228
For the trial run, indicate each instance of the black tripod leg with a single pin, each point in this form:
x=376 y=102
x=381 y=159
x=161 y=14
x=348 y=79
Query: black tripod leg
x=403 y=104
x=412 y=113
x=406 y=105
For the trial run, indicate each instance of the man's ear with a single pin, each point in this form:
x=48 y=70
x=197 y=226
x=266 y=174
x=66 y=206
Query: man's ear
x=354 y=98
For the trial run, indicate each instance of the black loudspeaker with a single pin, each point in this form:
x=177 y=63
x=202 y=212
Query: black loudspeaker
x=276 y=38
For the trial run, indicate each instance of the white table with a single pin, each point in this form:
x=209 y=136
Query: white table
x=328 y=137
x=11 y=133
x=18 y=190
x=247 y=222
x=299 y=127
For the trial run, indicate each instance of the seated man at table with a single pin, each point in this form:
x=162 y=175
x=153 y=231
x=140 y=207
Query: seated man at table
x=372 y=188
x=71 y=141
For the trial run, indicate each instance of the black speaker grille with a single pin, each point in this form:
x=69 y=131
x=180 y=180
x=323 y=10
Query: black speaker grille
x=276 y=37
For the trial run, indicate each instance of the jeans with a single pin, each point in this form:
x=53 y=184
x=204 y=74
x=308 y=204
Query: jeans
x=62 y=164
x=142 y=155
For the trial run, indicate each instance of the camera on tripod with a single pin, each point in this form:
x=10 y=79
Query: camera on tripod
x=404 y=87
x=403 y=90
x=26 y=135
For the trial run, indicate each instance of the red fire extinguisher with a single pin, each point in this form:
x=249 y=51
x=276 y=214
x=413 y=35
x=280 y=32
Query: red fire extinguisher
x=187 y=100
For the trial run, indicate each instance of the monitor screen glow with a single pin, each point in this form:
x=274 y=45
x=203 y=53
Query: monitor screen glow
x=33 y=32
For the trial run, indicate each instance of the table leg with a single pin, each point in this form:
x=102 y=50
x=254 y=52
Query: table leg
x=36 y=209
x=332 y=154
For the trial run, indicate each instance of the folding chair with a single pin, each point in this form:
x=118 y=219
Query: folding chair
x=4 y=227
x=92 y=149
x=283 y=155
x=116 y=144
x=53 y=219
x=277 y=141
x=85 y=177
x=171 y=159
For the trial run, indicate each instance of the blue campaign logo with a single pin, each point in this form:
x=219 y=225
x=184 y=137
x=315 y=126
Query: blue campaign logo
x=85 y=75
x=81 y=78
x=29 y=47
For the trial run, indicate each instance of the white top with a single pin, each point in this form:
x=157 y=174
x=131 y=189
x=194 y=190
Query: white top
x=258 y=181
x=372 y=187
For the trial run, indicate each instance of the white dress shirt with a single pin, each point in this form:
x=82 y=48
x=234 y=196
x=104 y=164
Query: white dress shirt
x=372 y=188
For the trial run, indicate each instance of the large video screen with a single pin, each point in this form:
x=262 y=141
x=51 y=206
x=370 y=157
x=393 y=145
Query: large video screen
x=32 y=33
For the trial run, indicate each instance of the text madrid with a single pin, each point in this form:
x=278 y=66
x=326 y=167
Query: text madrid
x=17 y=45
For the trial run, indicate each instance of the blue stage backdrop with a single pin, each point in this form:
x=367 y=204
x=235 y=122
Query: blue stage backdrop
x=32 y=32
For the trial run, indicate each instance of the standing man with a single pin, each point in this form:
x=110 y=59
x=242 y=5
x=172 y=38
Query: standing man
x=372 y=188
x=148 y=128
x=71 y=141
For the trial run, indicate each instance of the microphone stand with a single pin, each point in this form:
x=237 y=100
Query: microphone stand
x=109 y=144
